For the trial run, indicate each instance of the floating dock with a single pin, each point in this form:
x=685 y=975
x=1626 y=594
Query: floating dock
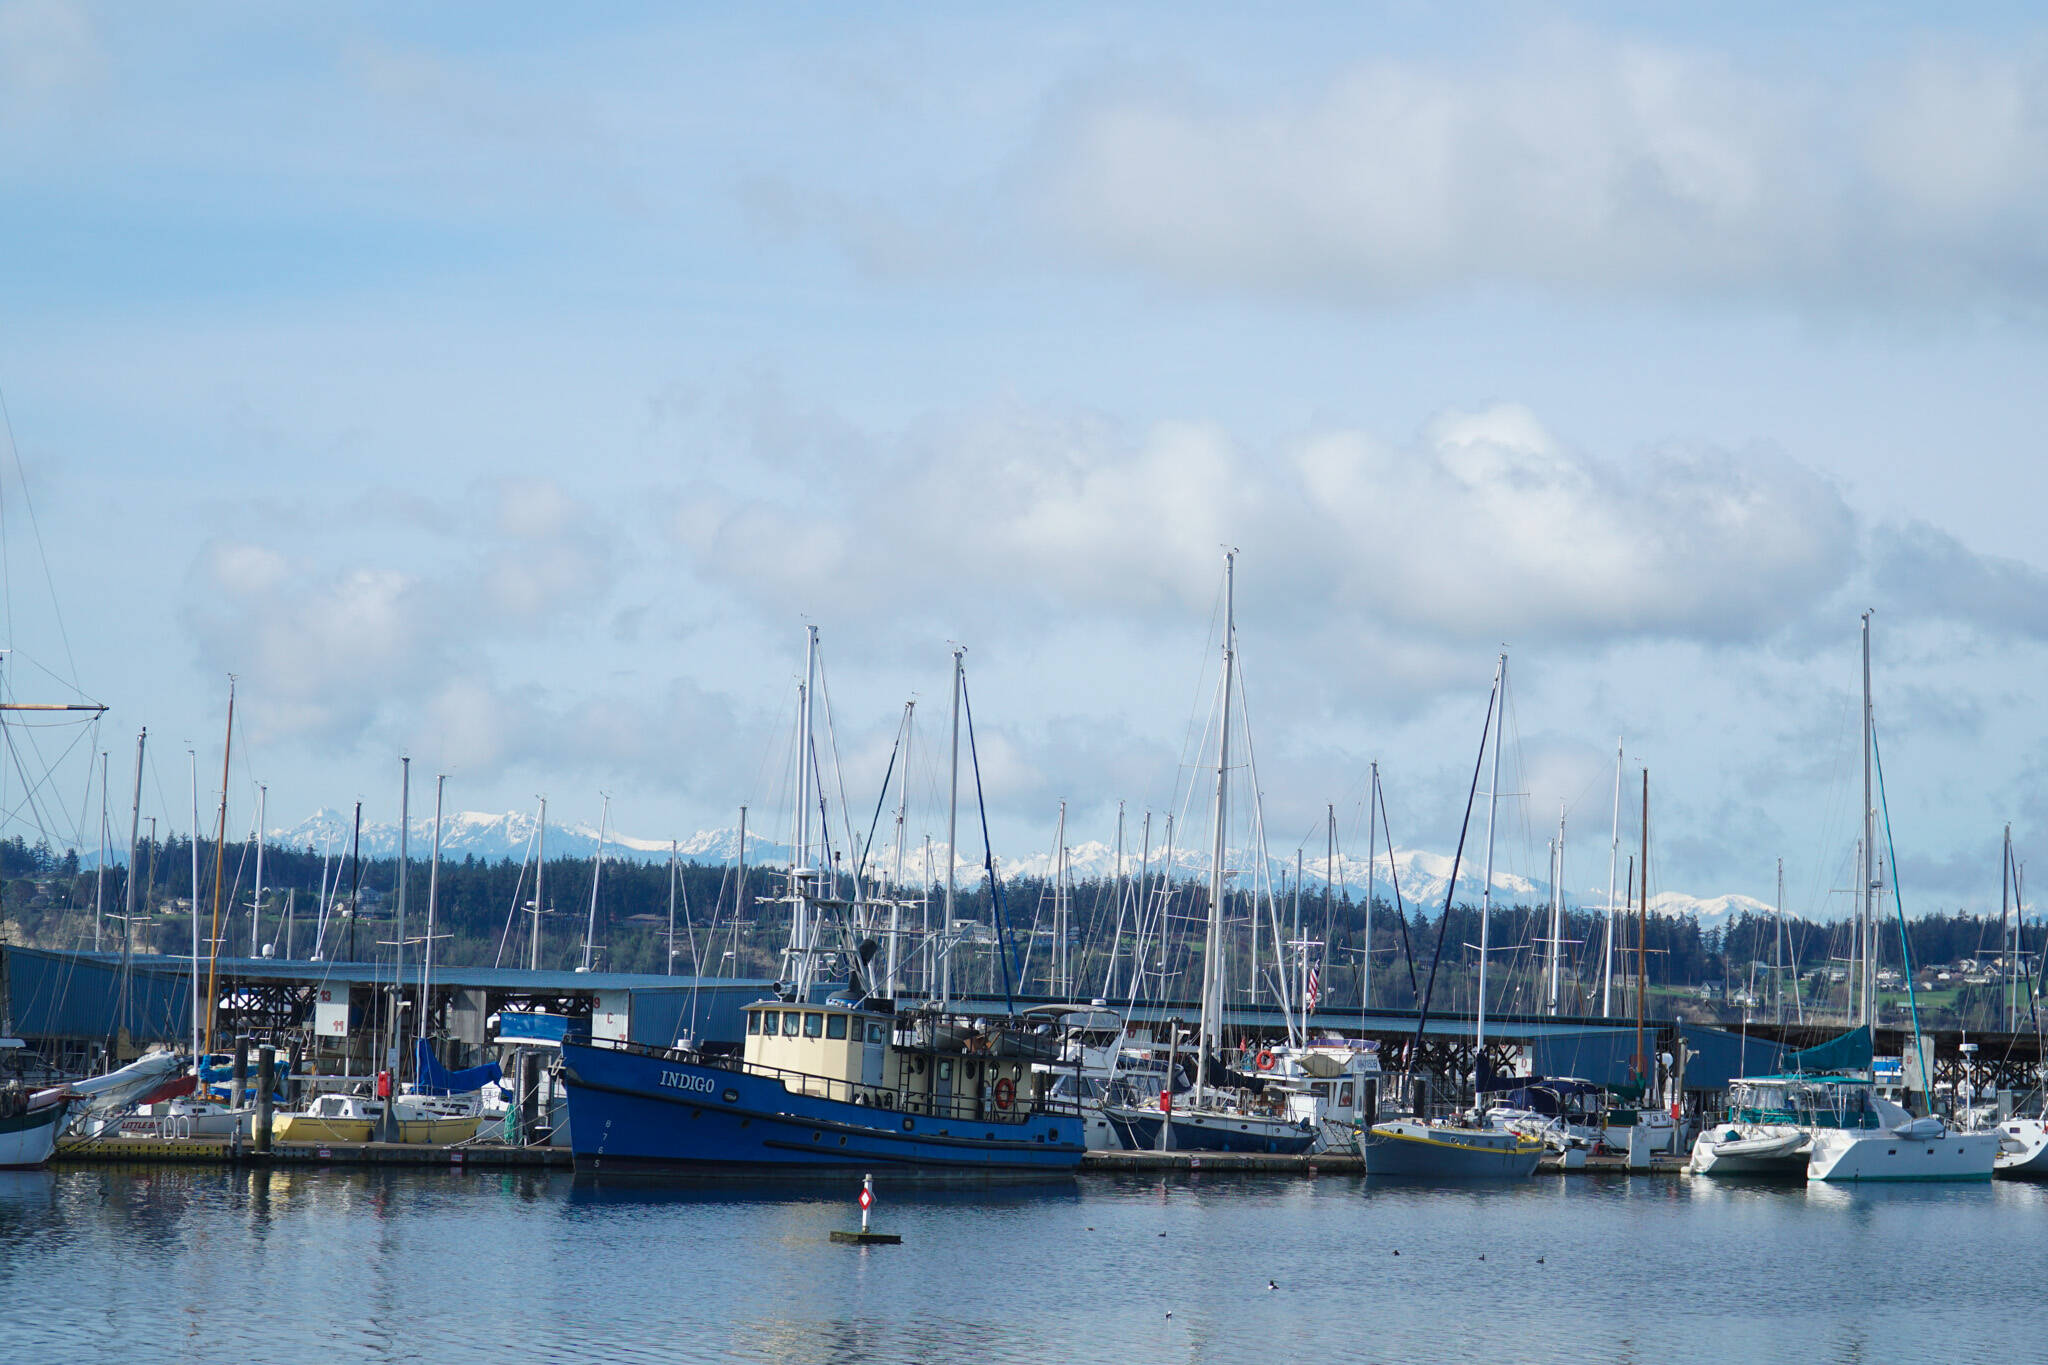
x=221 y=1151
x=498 y=1156
x=1326 y=1163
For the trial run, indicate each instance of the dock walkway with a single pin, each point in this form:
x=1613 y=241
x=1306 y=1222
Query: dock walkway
x=496 y=1156
x=222 y=1151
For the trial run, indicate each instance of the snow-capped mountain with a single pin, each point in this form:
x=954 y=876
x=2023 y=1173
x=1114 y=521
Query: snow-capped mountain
x=1422 y=874
x=466 y=833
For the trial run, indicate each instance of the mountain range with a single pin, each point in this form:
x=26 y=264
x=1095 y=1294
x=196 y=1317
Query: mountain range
x=1422 y=874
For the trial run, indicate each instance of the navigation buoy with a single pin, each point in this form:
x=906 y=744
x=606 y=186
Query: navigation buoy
x=864 y=1237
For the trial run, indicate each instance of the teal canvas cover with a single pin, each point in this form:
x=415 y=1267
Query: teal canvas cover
x=1850 y=1052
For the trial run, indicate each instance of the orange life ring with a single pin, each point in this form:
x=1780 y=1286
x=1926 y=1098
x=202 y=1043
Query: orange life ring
x=1264 y=1061
x=1006 y=1093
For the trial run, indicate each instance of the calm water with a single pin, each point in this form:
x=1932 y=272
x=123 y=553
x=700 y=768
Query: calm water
x=201 y=1264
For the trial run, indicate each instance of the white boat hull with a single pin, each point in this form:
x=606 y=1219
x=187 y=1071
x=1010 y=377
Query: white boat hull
x=1866 y=1154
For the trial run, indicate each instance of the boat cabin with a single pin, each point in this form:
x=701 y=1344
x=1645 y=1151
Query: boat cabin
x=845 y=1052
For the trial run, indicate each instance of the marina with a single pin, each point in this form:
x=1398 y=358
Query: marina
x=790 y=684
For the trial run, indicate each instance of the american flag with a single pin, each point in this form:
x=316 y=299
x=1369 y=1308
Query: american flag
x=1315 y=986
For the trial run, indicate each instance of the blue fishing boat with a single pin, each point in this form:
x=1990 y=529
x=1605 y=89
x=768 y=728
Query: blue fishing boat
x=821 y=1087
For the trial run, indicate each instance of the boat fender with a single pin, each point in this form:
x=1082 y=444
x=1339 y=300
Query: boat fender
x=1264 y=1061
x=1006 y=1093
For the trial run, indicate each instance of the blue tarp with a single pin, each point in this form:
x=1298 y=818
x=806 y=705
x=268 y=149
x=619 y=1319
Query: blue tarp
x=431 y=1078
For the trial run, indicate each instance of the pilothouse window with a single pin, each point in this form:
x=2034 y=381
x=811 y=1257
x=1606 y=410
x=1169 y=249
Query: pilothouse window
x=753 y=1023
x=814 y=1025
x=835 y=1026
x=790 y=1021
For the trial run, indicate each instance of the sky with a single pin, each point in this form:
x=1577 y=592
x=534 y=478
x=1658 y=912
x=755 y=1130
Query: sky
x=509 y=387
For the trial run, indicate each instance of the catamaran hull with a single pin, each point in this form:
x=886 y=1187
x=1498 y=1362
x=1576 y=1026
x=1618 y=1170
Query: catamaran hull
x=1139 y=1131
x=1414 y=1152
x=632 y=1111
x=1842 y=1155
x=27 y=1139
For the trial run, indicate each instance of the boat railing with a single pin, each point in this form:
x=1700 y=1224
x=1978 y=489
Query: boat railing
x=975 y=1106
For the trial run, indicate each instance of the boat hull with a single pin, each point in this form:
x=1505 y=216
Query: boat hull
x=1416 y=1151
x=27 y=1139
x=440 y=1129
x=316 y=1128
x=1844 y=1155
x=1200 y=1132
x=641 y=1110
x=2023 y=1150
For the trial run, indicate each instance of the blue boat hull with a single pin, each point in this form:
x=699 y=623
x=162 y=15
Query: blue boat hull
x=635 y=1111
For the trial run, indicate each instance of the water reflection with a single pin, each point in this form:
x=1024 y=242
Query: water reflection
x=379 y=1265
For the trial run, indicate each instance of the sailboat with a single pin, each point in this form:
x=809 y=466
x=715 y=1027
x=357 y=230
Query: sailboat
x=1416 y=1147
x=1215 y=1119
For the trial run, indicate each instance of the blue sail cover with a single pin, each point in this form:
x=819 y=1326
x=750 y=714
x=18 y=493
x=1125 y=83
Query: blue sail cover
x=431 y=1078
x=1850 y=1052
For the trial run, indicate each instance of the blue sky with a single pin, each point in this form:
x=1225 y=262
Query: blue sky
x=507 y=387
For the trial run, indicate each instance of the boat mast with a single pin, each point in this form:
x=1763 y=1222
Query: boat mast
x=596 y=872
x=1868 y=908
x=1778 y=944
x=739 y=893
x=1059 y=906
x=1329 y=889
x=256 y=901
x=1613 y=858
x=194 y=755
x=1372 y=825
x=99 y=873
x=540 y=868
x=128 y=907
x=1500 y=681
x=433 y=890
x=672 y=856
x=1117 y=891
x=1556 y=906
x=1643 y=937
x=945 y=945
x=1212 y=974
x=220 y=844
x=395 y=1059
x=895 y=960
x=798 y=968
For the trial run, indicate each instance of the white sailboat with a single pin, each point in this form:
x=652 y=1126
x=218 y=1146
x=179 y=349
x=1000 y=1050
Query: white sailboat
x=1216 y=1119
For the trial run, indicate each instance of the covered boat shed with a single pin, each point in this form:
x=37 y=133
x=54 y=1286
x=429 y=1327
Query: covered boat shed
x=77 y=1007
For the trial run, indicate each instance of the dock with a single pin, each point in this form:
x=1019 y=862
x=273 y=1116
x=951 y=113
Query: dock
x=498 y=1156
x=222 y=1151
x=1326 y=1163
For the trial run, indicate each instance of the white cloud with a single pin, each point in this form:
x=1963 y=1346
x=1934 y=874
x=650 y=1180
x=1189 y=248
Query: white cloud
x=1578 y=162
x=1485 y=528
